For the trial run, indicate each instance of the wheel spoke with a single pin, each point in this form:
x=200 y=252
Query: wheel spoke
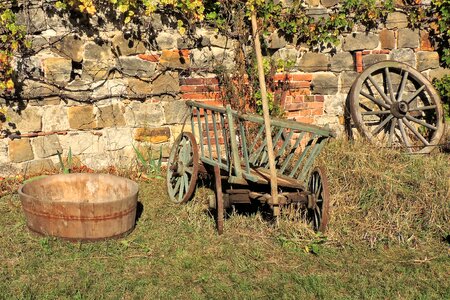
x=389 y=82
x=381 y=126
x=416 y=93
x=424 y=108
x=416 y=133
x=376 y=112
x=405 y=138
x=177 y=186
x=180 y=193
x=373 y=99
x=186 y=183
x=380 y=91
x=392 y=132
x=415 y=120
x=402 y=86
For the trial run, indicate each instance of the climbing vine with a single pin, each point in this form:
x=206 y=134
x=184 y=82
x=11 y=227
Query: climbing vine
x=231 y=18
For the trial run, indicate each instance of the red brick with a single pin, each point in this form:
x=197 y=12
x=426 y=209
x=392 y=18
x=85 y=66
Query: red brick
x=294 y=106
x=315 y=105
x=359 y=61
x=299 y=99
x=200 y=96
x=149 y=57
x=281 y=77
x=365 y=52
x=307 y=120
x=299 y=84
x=302 y=77
x=301 y=92
x=425 y=42
x=199 y=88
x=316 y=112
x=198 y=81
x=319 y=98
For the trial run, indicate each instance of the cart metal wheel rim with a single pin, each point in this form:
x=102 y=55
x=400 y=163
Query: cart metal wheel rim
x=182 y=168
x=318 y=186
x=400 y=110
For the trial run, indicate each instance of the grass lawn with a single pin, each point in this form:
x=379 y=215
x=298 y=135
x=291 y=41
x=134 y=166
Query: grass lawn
x=174 y=252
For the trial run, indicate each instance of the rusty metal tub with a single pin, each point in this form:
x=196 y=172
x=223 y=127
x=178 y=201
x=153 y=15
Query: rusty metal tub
x=80 y=206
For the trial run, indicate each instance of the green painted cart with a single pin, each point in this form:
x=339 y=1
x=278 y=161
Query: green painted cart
x=232 y=146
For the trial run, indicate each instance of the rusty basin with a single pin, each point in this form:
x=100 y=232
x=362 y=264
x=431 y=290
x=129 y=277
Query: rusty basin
x=80 y=206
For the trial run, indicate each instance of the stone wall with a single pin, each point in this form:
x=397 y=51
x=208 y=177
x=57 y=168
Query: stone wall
x=98 y=89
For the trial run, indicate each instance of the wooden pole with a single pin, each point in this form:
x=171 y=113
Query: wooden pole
x=266 y=115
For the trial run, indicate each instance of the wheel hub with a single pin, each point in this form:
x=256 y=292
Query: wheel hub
x=399 y=109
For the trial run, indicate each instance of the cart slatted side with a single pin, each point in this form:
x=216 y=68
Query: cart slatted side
x=236 y=143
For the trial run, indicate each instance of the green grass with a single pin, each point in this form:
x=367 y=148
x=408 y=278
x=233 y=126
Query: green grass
x=174 y=251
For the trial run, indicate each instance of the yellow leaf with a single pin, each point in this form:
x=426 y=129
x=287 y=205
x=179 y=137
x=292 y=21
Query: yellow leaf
x=91 y=10
x=10 y=84
x=81 y=7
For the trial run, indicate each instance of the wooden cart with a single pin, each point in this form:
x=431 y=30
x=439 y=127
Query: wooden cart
x=231 y=146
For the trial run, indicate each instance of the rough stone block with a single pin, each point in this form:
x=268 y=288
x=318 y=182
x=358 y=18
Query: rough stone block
x=152 y=135
x=81 y=117
x=324 y=84
x=27 y=120
x=215 y=39
x=317 y=13
x=212 y=57
x=313 y=62
x=371 y=59
x=82 y=143
x=287 y=55
x=46 y=146
x=175 y=112
x=408 y=38
x=93 y=51
x=109 y=88
x=387 y=39
x=396 y=20
x=123 y=46
x=20 y=150
x=360 y=41
x=69 y=46
x=54 y=118
x=35 y=19
x=176 y=59
x=117 y=138
x=329 y=3
x=167 y=40
x=144 y=114
x=277 y=40
x=427 y=60
x=438 y=73
x=34 y=89
x=139 y=87
x=45 y=102
x=57 y=69
x=37 y=167
x=95 y=70
x=404 y=55
x=152 y=151
x=167 y=82
x=134 y=66
x=347 y=80
x=313 y=3
x=110 y=116
x=342 y=62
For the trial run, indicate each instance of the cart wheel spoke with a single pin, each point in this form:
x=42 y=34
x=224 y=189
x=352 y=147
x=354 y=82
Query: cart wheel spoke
x=416 y=133
x=394 y=105
x=318 y=186
x=183 y=168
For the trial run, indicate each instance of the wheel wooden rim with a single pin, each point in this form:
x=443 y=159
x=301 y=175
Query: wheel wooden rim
x=182 y=168
x=394 y=105
x=318 y=186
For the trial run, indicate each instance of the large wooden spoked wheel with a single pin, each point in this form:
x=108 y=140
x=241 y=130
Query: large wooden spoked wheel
x=182 y=168
x=318 y=186
x=394 y=105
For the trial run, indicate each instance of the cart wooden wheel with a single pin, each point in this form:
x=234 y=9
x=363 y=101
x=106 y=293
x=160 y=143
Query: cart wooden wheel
x=394 y=105
x=182 y=168
x=318 y=186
